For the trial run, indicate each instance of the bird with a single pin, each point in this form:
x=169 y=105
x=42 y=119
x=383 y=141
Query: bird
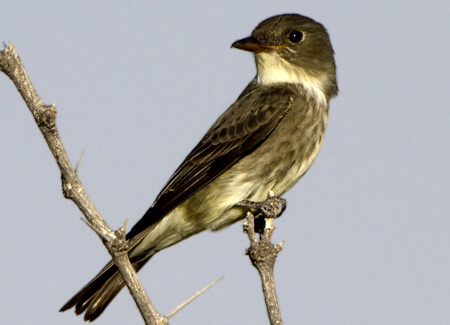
x=263 y=143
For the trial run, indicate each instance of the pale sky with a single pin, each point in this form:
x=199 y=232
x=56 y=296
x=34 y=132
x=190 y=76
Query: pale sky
x=138 y=83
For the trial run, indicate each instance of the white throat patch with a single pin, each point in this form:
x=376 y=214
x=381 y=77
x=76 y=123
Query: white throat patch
x=272 y=69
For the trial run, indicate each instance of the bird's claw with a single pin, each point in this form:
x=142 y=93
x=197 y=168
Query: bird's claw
x=272 y=207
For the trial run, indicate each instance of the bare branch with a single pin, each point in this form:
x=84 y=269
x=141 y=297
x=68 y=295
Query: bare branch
x=115 y=241
x=190 y=299
x=262 y=252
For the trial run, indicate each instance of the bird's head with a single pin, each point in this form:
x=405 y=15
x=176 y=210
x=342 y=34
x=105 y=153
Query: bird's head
x=293 y=49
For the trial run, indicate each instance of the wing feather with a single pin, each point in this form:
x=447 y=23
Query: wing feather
x=238 y=132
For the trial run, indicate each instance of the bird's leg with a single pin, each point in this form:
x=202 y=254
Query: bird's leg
x=268 y=209
x=272 y=207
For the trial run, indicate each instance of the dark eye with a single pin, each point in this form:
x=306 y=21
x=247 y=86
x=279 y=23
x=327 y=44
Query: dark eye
x=295 y=36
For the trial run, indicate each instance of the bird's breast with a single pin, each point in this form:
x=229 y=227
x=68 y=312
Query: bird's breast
x=276 y=165
x=292 y=147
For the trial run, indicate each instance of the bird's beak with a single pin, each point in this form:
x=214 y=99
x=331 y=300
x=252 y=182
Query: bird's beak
x=252 y=44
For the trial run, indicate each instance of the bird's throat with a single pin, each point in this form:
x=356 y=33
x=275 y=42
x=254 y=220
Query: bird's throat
x=273 y=69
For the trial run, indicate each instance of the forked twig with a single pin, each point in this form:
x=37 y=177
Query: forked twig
x=115 y=241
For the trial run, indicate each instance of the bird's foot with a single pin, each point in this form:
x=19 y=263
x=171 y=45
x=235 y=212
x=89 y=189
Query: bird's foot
x=268 y=209
x=271 y=208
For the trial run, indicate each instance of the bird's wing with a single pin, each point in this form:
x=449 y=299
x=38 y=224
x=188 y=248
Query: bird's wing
x=239 y=131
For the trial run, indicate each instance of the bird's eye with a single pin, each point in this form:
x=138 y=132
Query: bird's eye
x=295 y=36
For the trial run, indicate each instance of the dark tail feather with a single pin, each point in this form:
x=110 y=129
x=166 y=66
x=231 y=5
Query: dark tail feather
x=97 y=294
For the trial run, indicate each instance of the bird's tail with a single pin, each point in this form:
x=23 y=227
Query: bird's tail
x=97 y=294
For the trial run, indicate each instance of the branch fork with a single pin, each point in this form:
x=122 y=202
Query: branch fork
x=115 y=241
x=263 y=252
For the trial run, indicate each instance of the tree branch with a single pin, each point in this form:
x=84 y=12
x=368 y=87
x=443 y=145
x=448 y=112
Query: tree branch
x=115 y=241
x=191 y=299
x=262 y=254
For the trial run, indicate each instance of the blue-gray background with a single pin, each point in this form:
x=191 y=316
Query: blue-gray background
x=137 y=84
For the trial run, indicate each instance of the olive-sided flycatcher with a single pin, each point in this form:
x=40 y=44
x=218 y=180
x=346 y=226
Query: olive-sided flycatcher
x=264 y=142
